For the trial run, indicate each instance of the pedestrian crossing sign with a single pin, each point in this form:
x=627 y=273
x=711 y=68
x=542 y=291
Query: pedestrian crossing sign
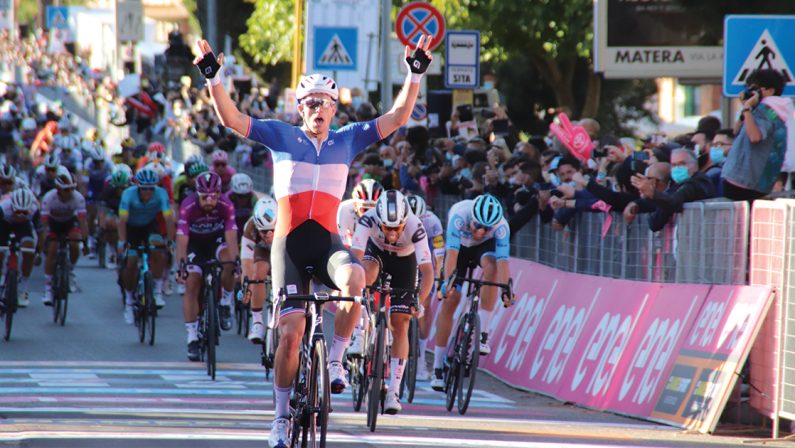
x=758 y=42
x=335 y=48
x=57 y=17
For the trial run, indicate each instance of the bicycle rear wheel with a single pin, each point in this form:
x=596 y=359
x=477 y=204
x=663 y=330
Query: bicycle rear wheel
x=10 y=300
x=451 y=382
x=469 y=350
x=376 y=374
x=101 y=255
x=150 y=306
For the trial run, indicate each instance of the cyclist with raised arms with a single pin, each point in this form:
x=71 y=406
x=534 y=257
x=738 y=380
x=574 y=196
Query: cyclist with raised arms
x=137 y=226
x=390 y=239
x=311 y=165
x=19 y=216
x=477 y=235
x=435 y=231
x=206 y=230
x=255 y=257
x=63 y=214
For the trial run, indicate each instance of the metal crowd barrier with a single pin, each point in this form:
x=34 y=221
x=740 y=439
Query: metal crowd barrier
x=706 y=243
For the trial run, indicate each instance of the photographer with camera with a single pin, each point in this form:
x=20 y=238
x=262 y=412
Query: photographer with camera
x=757 y=153
x=691 y=184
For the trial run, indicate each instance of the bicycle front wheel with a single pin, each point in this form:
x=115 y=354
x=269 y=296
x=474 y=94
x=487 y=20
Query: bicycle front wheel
x=319 y=396
x=150 y=306
x=376 y=374
x=10 y=299
x=63 y=294
x=469 y=351
x=211 y=335
x=451 y=381
x=410 y=378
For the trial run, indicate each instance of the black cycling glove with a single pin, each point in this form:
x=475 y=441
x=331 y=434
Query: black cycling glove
x=209 y=66
x=418 y=61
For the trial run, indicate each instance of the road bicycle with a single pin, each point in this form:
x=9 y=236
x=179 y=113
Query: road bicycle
x=10 y=298
x=311 y=400
x=60 y=280
x=463 y=352
x=145 y=308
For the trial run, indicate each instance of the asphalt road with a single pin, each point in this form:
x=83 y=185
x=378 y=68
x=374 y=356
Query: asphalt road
x=92 y=384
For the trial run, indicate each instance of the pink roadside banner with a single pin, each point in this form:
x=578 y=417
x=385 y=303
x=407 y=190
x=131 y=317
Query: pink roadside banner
x=613 y=344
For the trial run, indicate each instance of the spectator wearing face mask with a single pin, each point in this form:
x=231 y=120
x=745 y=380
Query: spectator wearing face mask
x=691 y=184
x=719 y=148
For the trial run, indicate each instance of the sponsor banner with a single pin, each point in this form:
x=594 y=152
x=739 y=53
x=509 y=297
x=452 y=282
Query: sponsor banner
x=715 y=348
x=625 y=346
x=658 y=336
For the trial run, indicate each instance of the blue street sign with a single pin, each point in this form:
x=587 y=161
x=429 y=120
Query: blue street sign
x=757 y=42
x=58 y=17
x=335 y=48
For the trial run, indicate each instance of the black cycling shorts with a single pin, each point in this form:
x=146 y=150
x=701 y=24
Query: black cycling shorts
x=469 y=257
x=403 y=271
x=307 y=245
x=22 y=230
x=204 y=249
x=138 y=236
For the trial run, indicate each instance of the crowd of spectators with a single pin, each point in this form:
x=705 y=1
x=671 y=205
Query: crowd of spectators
x=536 y=176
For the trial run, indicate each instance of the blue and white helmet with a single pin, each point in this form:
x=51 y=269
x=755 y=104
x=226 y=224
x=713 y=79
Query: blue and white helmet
x=147 y=176
x=487 y=210
x=264 y=215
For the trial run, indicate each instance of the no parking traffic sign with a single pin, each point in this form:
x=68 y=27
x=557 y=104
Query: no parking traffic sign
x=417 y=19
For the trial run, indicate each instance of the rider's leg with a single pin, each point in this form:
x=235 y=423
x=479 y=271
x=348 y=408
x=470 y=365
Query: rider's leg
x=227 y=276
x=291 y=330
x=444 y=325
x=350 y=279
x=190 y=304
x=488 y=295
x=261 y=270
x=400 y=348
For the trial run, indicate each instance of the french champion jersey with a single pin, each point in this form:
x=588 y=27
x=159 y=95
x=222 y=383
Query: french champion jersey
x=346 y=221
x=413 y=239
x=309 y=181
x=459 y=232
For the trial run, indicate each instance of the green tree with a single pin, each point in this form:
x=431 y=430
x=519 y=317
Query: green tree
x=269 y=38
x=556 y=37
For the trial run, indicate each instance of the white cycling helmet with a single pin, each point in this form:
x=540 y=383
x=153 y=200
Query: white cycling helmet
x=96 y=153
x=264 y=214
x=417 y=205
x=242 y=184
x=365 y=194
x=7 y=172
x=392 y=209
x=317 y=83
x=22 y=200
x=52 y=161
x=64 y=179
x=124 y=167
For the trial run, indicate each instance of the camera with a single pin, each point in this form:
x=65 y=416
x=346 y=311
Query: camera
x=749 y=92
x=556 y=193
x=639 y=162
x=599 y=152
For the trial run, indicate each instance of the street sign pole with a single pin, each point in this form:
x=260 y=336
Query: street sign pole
x=386 y=82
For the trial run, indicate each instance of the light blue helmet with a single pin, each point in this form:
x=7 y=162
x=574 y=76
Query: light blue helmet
x=487 y=210
x=147 y=176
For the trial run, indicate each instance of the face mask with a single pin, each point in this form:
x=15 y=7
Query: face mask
x=679 y=174
x=488 y=85
x=388 y=163
x=554 y=180
x=466 y=172
x=716 y=155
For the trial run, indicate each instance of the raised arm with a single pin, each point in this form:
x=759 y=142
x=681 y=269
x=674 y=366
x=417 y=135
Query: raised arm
x=417 y=63
x=226 y=109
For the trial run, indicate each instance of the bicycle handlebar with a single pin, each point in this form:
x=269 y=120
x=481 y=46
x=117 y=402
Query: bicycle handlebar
x=507 y=288
x=321 y=297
